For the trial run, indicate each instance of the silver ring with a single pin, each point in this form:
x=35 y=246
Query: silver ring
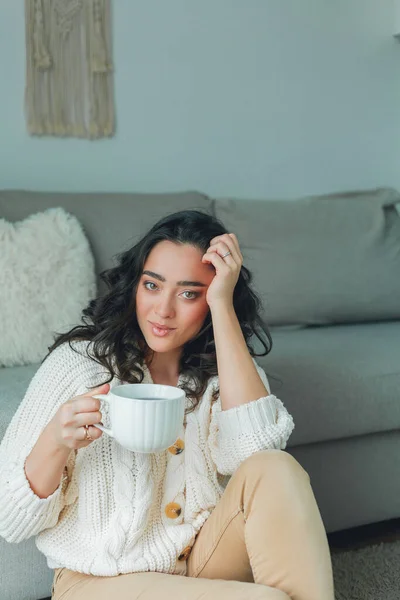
x=225 y=255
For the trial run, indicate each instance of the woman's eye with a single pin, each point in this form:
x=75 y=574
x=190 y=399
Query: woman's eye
x=193 y=296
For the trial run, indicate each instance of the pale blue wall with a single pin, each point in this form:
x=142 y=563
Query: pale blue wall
x=252 y=98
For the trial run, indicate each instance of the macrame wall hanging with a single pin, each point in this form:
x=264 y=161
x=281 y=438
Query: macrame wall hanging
x=69 y=87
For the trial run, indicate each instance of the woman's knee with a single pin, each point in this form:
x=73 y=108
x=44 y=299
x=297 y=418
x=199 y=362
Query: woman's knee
x=266 y=461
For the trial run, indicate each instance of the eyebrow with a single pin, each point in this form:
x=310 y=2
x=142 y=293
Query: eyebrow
x=183 y=283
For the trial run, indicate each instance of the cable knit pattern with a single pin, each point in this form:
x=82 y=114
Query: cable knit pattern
x=117 y=511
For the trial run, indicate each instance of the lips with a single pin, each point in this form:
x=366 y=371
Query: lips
x=161 y=326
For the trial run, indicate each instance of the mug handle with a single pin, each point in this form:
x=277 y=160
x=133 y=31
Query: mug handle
x=106 y=399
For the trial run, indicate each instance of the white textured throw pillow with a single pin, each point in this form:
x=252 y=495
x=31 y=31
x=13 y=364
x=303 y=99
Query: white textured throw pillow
x=47 y=276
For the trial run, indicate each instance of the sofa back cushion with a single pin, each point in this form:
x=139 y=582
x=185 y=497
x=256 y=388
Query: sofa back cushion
x=316 y=260
x=321 y=259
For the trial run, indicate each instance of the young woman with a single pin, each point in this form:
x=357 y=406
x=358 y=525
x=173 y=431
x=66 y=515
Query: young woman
x=224 y=512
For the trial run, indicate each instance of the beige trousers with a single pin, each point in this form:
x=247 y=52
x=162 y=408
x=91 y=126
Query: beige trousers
x=265 y=539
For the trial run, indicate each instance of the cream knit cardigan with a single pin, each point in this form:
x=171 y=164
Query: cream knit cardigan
x=108 y=514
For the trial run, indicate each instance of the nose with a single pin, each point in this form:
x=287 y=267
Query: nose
x=165 y=307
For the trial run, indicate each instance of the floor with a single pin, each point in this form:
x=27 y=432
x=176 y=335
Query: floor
x=359 y=537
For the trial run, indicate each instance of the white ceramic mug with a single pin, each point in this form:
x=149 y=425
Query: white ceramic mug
x=145 y=417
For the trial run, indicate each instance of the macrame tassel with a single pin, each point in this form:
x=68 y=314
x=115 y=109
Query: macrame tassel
x=100 y=62
x=69 y=88
x=41 y=55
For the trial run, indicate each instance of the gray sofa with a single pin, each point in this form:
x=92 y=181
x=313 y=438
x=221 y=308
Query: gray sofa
x=328 y=271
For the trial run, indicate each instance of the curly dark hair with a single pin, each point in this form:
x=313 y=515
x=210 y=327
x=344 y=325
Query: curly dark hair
x=110 y=323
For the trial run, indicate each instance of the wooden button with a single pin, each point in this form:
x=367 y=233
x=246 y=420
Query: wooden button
x=173 y=510
x=185 y=553
x=178 y=447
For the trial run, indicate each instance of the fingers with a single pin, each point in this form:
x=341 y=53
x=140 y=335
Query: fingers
x=69 y=418
x=227 y=242
x=101 y=389
x=72 y=417
x=236 y=243
x=86 y=402
x=221 y=248
x=228 y=238
x=93 y=432
x=86 y=414
x=88 y=418
x=80 y=411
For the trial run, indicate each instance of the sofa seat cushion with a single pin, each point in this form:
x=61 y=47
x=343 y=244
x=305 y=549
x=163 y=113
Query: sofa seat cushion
x=14 y=382
x=339 y=381
x=24 y=573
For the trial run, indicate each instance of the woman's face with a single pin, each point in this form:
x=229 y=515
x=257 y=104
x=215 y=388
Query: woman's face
x=163 y=296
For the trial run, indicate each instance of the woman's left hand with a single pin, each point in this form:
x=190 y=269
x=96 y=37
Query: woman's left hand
x=227 y=269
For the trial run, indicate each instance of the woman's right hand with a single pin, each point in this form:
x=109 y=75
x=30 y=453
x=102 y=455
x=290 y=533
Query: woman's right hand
x=69 y=423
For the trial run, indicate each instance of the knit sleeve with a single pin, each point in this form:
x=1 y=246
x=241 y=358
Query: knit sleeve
x=22 y=513
x=237 y=433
